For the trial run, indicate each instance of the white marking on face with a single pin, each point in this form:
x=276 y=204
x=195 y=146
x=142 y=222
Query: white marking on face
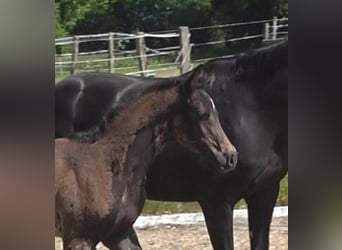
x=212 y=104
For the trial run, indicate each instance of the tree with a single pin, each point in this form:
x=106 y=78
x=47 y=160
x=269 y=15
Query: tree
x=97 y=16
x=70 y=13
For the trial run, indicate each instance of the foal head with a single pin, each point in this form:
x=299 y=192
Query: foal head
x=198 y=127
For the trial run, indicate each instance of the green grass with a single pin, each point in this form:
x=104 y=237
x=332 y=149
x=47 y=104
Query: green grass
x=157 y=207
x=123 y=62
x=121 y=65
x=283 y=198
x=161 y=207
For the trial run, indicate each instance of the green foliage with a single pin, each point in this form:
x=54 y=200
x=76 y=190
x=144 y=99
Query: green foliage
x=161 y=14
x=94 y=16
x=70 y=13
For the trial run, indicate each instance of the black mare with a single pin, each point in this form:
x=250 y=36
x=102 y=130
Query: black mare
x=251 y=95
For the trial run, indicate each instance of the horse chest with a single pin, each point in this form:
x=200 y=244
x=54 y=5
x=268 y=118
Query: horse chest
x=129 y=168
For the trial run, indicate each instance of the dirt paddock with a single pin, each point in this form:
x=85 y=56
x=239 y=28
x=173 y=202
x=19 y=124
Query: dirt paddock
x=195 y=237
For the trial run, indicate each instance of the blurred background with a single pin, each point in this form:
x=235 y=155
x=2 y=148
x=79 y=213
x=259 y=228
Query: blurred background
x=158 y=37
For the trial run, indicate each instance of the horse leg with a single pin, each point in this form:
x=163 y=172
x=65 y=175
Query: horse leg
x=260 y=209
x=130 y=242
x=219 y=220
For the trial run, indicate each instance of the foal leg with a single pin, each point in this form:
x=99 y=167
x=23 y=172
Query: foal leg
x=219 y=219
x=130 y=242
x=78 y=244
x=260 y=209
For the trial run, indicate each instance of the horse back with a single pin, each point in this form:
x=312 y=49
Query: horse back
x=81 y=102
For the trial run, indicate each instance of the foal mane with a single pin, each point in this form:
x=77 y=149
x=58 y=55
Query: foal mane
x=262 y=62
x=123 y=100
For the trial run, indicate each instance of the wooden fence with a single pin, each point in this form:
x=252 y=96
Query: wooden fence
x=274 y=29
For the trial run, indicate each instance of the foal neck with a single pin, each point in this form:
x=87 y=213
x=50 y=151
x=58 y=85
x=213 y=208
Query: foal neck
x=148 y=110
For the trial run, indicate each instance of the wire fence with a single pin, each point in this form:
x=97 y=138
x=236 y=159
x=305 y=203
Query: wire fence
x=162 y=54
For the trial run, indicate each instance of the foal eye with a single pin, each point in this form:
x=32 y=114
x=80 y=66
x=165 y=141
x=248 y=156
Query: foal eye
x=204 y=116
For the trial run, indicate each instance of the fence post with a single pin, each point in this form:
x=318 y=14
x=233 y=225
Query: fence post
x=111 y=54
x=184 y=40
x=141 y=52
x=266 y=31
x=274 y=28
x=74 y=55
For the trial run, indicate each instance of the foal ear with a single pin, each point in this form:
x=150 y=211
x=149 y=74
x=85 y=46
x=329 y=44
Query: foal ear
x=201 y=79
x=197 y=80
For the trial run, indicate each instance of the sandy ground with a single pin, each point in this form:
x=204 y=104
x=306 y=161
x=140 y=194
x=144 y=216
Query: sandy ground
x=196 y=237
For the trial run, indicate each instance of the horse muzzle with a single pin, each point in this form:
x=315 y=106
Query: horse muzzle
x=227 y=161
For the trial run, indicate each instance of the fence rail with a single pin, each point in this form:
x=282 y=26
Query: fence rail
x=136 y=61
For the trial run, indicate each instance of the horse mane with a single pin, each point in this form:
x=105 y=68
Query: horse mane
x=262 y=62
x=124 y=99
